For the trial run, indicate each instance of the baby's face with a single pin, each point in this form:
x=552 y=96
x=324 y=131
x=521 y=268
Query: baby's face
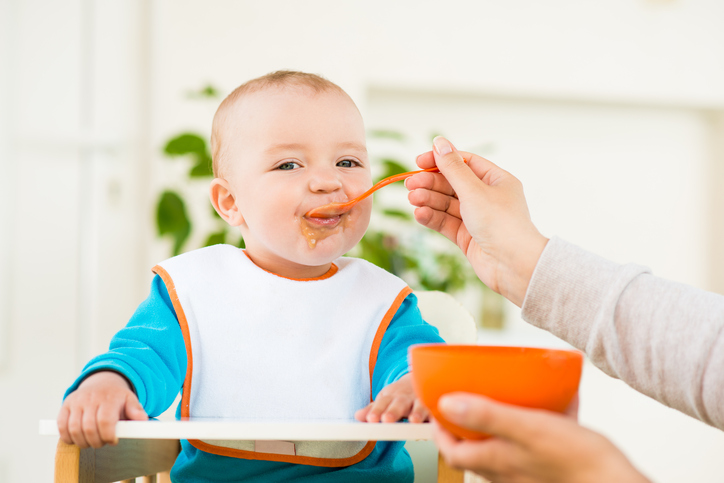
x=290 y=151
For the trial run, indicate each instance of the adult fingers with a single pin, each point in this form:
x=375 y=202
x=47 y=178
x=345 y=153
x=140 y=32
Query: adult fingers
x=488 y=458
x=439 y=221
x=429 y=181
x=451 y=163
x=498 y=419
x=484 y=169
x=443 y=438
x=435 y=200
x=426 y=160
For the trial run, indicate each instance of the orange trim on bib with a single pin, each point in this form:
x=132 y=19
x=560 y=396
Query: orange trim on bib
x=171 y=288
x=280 y=458
x=383 y=328
x=332 y=270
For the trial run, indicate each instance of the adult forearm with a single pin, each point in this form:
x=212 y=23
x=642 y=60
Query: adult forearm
x=663 y=338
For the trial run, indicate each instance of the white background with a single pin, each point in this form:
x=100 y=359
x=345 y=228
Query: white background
x=609 y=112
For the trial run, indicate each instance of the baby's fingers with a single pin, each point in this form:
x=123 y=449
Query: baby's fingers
x=398 y=408
x=90 y=427
x=378 y=407
x=361 y=414
x=63 y=416
x=133 y=409
x=419 y=413
x=75 y=428
x=107 y=419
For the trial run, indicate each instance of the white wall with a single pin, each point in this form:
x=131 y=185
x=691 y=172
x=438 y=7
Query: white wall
x=72 y=212
x=90 y=90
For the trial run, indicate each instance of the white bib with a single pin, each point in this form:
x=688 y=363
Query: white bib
x=262 y=346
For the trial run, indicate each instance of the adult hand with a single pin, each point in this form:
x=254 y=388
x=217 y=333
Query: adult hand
x=528 y=445
x=481 y=208
x=89 y=414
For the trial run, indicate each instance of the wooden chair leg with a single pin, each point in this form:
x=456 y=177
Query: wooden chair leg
x=446 y=474
x=164 y=477
x=148 y=479
x=67 y=463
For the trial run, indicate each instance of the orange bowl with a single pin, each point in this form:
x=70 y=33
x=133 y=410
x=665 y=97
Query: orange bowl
x=525 y=376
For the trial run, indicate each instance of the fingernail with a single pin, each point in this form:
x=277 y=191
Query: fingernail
x=442 y=145
x=453 y=406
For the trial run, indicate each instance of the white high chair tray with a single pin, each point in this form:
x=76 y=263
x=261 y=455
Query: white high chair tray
x=310 y=430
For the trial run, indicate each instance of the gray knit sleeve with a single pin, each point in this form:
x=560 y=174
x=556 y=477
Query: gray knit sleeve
x=664 y=339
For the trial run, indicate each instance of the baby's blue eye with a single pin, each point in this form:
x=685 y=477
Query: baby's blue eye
x=288 y=166
x=347 y=163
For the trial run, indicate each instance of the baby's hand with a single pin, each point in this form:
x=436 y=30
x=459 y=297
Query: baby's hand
x=393 y=403
x=89 y=415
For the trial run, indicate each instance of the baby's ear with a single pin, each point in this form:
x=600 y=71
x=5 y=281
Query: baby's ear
x=224 y=203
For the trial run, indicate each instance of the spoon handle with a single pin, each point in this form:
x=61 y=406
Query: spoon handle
x=393 y=179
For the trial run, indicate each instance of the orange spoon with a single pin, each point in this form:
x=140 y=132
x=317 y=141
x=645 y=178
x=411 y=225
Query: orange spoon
x=335 y=209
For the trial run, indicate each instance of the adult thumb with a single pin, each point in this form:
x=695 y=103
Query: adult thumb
x=485 y=415
x=452 y=165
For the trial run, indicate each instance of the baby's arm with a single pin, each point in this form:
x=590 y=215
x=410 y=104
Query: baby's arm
x=394 y=397
x=89 y=415
x=144 y=367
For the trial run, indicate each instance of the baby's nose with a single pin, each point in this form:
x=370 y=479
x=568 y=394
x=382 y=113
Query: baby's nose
x=324 y=182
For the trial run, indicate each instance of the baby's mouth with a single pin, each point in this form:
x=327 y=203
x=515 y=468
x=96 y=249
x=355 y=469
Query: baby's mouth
x=330 y=221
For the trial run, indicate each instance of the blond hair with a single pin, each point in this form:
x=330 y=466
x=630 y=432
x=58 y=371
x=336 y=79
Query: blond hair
x=280 y=78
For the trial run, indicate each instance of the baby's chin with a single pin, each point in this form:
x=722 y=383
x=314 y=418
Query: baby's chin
x=323 y=251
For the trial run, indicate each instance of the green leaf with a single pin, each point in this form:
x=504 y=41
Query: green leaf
x=373 y=250
x=202 y=169
x=397 y=214
x=209 y=92
x=452 y=274
x=216 y=238
x=187 y=143
x=193 y=145
x=171 y=219
x=391 y=168
x=386 y=134
x=384 y=250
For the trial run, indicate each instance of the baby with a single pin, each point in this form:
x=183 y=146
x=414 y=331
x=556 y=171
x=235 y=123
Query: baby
x=286 y=328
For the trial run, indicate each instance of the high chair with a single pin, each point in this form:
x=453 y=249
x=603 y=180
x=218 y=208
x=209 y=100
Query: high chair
x=151 y=459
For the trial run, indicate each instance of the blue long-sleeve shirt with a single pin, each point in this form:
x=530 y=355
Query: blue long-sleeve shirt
x=150 y=352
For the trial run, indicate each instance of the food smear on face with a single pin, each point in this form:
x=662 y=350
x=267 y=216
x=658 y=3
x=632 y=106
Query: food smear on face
x=315 y=230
